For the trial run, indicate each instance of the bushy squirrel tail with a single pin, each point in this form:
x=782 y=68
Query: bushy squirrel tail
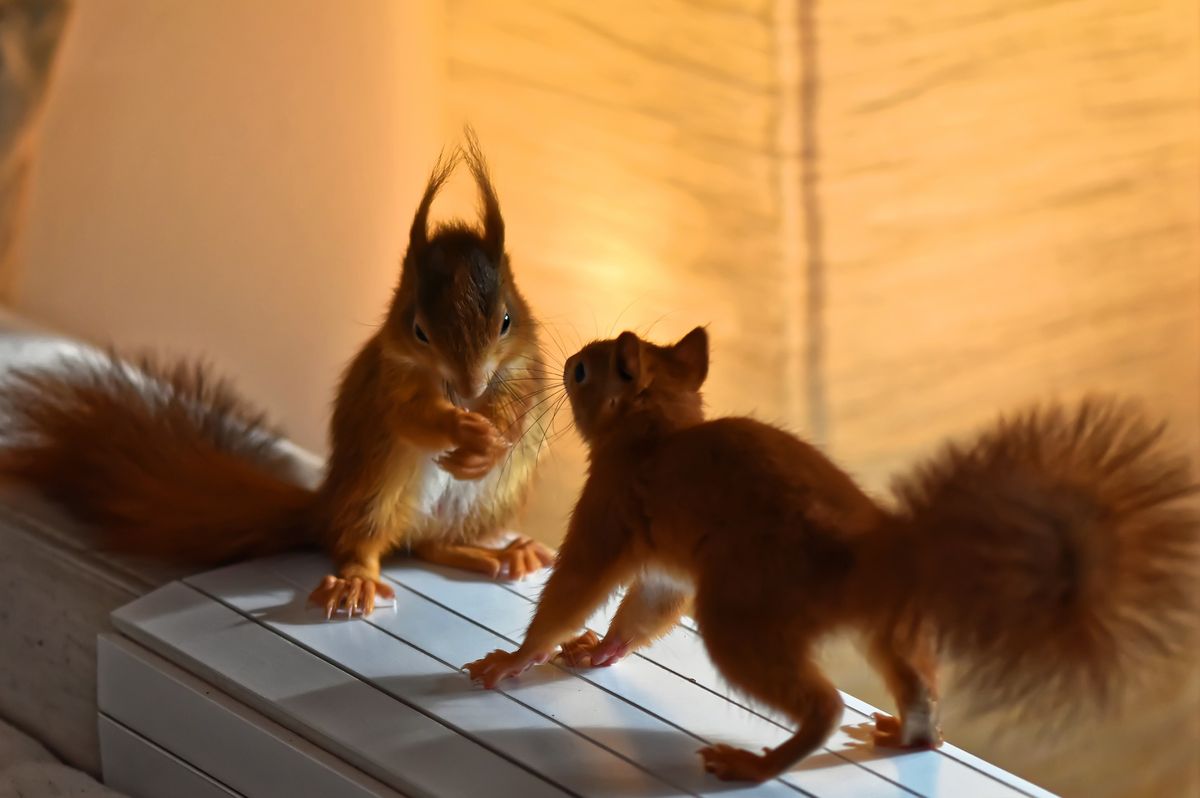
x=162 y=460
x=1055 y=555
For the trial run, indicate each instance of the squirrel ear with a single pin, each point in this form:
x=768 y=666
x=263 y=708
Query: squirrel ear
x=629 y=358
x=691 y=352
x=493 y=222
x=418 y=236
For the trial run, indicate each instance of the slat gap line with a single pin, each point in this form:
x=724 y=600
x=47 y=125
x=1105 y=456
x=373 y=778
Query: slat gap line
x=753 y=711
x=616 y=695
x=510 y=697
x=440 y=721
x=707 y=689
x=774 y=722
x=168 y=752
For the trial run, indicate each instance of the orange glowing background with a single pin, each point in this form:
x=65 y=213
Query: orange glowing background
x=897 y=219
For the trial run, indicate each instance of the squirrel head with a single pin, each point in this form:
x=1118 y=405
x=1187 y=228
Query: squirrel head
x=457 y=310
x=626 y=382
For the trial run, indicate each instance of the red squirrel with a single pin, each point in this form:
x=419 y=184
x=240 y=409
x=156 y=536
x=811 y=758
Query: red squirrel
x=435 y=433
x=1056 y=552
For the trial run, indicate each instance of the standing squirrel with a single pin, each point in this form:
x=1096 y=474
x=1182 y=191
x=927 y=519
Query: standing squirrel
x=434 y=435
x=1054 y=555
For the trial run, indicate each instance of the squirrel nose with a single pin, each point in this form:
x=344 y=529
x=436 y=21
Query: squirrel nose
x=471 y=386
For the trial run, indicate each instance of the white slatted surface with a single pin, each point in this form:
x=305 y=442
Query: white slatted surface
x=147 y=771
x=386 y=695
x=220 y=735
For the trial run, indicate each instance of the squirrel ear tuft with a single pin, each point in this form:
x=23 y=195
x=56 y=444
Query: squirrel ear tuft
x=493 y=222
x=691 y=352
x=418 y=236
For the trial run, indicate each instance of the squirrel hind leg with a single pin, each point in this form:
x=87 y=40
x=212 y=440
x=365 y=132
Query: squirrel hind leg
x=909 y=669
x=785 y=679
x=514 y=561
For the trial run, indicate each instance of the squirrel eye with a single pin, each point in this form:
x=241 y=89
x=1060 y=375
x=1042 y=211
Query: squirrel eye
x=504 y=325
x=580 y=372
x=421 y=336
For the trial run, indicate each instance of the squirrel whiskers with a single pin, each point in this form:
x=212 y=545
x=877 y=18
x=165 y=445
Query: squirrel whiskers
x=168 y=462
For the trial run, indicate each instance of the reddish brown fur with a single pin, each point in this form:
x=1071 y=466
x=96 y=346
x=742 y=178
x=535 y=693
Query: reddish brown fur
x=172 y=465
x=210 y=488
x=1055 y=547
x=1073 y=546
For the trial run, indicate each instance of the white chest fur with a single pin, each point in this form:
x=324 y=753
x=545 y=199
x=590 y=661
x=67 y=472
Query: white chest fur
x=443 y=498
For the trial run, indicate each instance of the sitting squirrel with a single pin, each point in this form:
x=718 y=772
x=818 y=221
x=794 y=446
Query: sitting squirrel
x=1057 y=552
x=433 y=436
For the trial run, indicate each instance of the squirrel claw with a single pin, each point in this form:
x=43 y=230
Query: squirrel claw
x=474 y=433
x=737 y=764
x=500 y=665
x=353 y=594
x=590 y=651
x=514 y=562
x=577 y=653
x=890 y=732
x=474 y=457
x=521 y=557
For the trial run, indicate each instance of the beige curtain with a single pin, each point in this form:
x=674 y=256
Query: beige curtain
x=899 y=219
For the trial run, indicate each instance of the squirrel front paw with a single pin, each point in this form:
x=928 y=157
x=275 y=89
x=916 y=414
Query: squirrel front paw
x=471 y=430
x=500 y=665
x=737 y=764
x=353 y=594
x=479 y=446
x=589 y=651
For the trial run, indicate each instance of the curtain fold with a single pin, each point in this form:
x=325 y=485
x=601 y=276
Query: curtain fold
x=30 y=32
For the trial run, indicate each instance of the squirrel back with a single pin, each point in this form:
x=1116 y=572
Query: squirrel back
x=164 y=461
x=1056 y=552
x=1055 y=555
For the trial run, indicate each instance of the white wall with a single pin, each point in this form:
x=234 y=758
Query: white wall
x=234 y=179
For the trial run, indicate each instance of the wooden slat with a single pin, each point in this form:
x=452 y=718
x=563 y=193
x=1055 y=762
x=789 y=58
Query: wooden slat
x=53 y=600
x=677 y=651
x=940 y=772
x=670 y=691
x=608 y=720
x=408 y=671
x=392 y=742
x=221 y=735
x=138 y=768
x=628 y=730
